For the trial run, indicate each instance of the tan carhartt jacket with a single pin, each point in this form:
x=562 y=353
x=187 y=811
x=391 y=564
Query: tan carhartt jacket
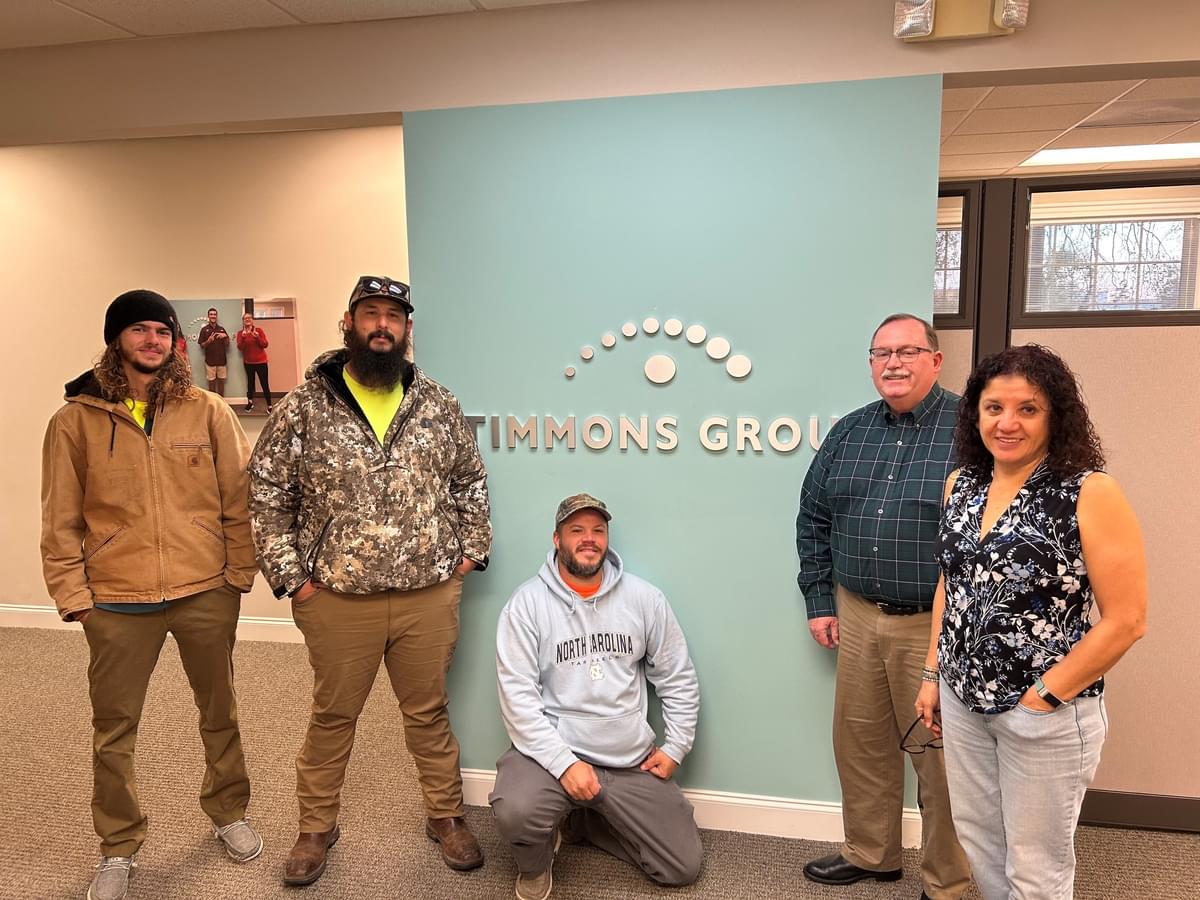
x=131 y=517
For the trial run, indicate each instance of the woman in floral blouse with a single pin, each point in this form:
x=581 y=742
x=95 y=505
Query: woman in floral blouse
x=1033 y=535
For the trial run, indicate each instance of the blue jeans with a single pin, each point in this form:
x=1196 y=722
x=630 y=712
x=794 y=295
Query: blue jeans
x=1016 y=782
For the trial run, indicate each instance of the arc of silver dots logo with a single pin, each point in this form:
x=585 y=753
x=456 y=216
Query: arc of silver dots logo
x=197 y=323
x=660 y=368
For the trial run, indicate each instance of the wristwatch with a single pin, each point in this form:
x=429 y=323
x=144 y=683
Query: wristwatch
x=1044 y=693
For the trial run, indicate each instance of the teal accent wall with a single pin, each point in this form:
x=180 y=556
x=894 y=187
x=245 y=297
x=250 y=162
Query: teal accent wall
x=788 y=220
x=229 y=315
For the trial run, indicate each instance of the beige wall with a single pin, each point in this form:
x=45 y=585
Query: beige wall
x=956 y=357
x=284 y=215
x=1139 y=384
x=222 y=81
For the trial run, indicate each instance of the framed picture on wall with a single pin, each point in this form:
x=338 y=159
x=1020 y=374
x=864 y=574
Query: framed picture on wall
x=246 y=349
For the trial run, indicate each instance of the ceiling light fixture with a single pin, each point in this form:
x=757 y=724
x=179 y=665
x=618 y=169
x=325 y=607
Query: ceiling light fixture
x=1071 y=156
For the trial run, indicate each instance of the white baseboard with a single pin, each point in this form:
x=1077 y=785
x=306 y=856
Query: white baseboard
x=721 y=810
x=28 y=615
x=250 y=628
x=268 y=628
x=750 y=813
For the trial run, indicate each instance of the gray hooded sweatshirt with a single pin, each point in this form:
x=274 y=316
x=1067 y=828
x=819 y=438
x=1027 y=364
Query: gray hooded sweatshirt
x=572 y=672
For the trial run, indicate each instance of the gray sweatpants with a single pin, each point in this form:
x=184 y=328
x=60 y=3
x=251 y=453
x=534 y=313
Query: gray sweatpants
x=636 y=817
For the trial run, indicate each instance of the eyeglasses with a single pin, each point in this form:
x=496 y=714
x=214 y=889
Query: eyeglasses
x=915 y=747
x=374 y=286
x=906 y=354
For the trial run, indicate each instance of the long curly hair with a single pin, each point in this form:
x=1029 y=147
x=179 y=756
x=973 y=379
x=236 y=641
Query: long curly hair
x=1073 y=446
x=174 y=380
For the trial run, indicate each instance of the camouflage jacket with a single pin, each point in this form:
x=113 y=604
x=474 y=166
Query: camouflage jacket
x=330 y=503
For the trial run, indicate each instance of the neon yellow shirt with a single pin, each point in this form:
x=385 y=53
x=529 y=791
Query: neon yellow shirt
x=379 y=404
x=138 y=408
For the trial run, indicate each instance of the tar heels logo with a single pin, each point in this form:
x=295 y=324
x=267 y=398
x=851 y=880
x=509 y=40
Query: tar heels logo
x=660 y=368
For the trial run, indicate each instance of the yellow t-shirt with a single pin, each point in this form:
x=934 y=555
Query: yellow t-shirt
x=138 y=409
x=379 y=404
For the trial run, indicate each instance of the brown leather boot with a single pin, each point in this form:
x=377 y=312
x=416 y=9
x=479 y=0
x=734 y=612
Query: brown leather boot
x=460 y=850
x=306 y=863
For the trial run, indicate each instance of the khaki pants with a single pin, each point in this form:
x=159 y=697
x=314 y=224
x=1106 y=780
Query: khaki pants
x=878 y=676
x=414 y=633
x=124 y=650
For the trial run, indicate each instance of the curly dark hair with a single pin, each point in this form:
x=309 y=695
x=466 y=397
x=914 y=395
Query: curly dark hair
x=1073 y=446
x=174 y=381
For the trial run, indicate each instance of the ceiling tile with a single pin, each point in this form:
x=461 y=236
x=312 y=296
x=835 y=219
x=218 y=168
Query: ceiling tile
x=40 y=24
x=962 y=98
x=1188 y=135
x=1166 y=89
x=1036 y=118
x=1021 y=95
x=1148 y=112
x=982 y=161
x=1007 y=142
x=154 y=17
x=1114 y=135
x=951 y=119
x=368 y=10
x=972 y=173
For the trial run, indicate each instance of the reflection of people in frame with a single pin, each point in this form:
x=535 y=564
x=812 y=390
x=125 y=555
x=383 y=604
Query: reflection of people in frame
x=214 y=340
x=252 y=344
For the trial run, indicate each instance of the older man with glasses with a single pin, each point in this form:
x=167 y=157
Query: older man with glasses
x=369 y=504
x=865 y=533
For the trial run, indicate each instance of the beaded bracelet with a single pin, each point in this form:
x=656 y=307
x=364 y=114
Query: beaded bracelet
x=928 y=673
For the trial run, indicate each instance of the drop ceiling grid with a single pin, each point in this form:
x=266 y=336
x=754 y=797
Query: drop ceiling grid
x=1000 y=121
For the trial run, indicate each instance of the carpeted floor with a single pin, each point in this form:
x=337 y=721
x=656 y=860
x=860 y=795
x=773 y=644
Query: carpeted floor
x=45 y=785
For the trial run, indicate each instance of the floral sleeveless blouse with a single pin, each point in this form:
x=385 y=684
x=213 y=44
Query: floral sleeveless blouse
x=1018 y=600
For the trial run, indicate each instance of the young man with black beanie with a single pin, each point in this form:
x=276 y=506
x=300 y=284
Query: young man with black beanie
x=145 y=531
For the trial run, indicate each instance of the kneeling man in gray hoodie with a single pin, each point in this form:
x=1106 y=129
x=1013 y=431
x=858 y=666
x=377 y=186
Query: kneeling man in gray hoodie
x=575 y=646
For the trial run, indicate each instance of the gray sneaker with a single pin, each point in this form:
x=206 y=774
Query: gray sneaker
x=112 y=878
x=241 y=841
x=539 y=885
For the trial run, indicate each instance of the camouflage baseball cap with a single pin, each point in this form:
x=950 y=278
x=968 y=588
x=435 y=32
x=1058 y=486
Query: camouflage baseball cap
x=575 y=503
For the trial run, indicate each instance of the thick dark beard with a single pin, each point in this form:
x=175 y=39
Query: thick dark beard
x=373 y=368
x=578 y=569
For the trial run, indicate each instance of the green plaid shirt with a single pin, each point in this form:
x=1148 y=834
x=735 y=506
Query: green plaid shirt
x=871 y=502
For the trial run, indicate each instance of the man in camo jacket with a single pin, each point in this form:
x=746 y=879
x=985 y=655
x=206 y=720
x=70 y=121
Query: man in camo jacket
x=369 y=506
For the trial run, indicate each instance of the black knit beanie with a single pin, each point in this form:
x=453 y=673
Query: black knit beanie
x=138 y=306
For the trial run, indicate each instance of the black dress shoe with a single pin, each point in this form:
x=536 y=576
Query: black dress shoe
x=836 y=870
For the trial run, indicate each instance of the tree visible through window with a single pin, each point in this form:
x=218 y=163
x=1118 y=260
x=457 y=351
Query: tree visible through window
x=947 y=271
x=1100 y=266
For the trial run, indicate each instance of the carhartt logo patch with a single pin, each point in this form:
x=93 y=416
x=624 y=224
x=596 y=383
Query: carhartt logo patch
x=194 y=460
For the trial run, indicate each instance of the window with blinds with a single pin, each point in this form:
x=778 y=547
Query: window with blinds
x=1114 y=250
x=948 y=257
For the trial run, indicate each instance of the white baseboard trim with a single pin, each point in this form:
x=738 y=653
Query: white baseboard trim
x=250 y=628
x=28 y=615
x=750 y=813
x=268 y=628
x=721 y=810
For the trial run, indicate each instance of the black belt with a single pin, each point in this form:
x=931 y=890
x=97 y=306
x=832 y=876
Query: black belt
x=890 y=609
